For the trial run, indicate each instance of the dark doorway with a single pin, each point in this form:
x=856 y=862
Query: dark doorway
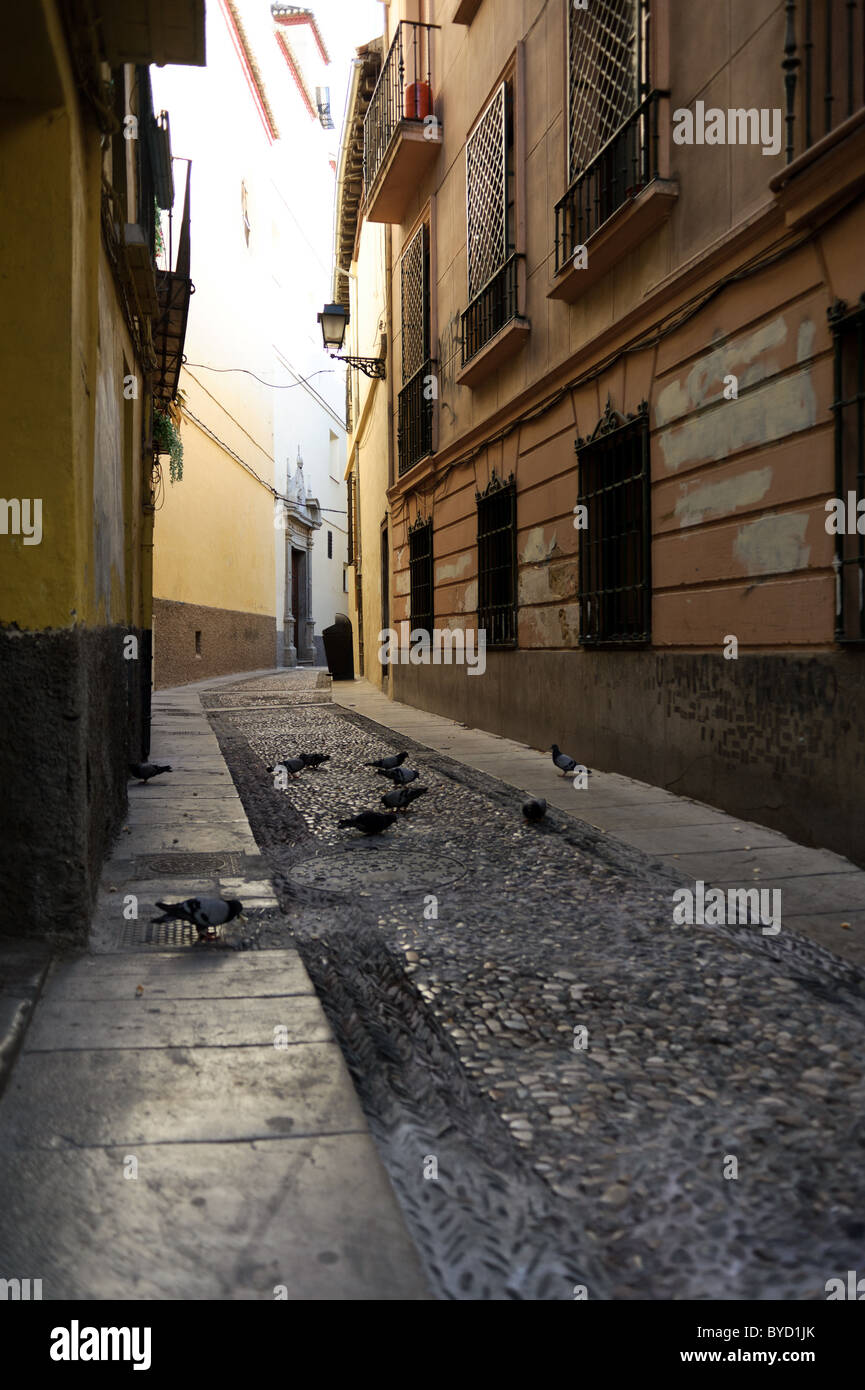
x=297 y=576
x=385 y=579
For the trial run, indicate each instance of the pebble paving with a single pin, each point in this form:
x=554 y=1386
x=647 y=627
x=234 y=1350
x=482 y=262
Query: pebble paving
x=573 y=1096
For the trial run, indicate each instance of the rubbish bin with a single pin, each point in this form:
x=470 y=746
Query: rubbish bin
x=338 y=649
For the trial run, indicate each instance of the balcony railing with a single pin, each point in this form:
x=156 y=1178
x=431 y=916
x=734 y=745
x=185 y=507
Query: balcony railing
x=490 y=310
x=414 y=429
x=403 y=93
x=824 y=75
x=624 y=165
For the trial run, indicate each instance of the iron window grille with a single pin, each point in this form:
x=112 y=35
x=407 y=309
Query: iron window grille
x=420 y=538
x=330 y=545
x=490 y=219
x=848 y=408
x=615 y=593
x=497 y=562
x=824 y=75
x=612 y=117
x=415 y=407
x=403 y=92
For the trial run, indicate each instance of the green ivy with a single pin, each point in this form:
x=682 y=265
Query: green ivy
x=166 y=440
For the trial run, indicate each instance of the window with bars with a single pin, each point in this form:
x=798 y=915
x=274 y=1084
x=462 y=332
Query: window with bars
x=612 y=117
x=848 y=408
x=330 y=545
x=353 y=520
x=490 y=224
x=615 y=543
x=420 y=541
x=497 y=562
x=415 y=411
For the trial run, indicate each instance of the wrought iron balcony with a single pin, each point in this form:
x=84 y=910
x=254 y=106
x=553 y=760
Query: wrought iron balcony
x=401 y=135
x=621 y=168
x=414 y=428
x=824 y=75
x=489 y=311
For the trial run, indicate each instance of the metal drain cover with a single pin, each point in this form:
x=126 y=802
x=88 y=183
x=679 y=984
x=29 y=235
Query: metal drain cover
x=369 y=869
x=139 y=933
x=196 y=865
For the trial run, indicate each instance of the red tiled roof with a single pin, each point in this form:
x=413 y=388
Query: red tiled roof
x=250 y=68
x=297 y=14
x=294 y=69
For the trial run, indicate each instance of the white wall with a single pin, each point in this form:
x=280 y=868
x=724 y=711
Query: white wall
x=256 y=305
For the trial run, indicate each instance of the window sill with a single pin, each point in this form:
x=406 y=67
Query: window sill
x=465 y=11
x=829 y=172
x=628 y=226
x=504 y=345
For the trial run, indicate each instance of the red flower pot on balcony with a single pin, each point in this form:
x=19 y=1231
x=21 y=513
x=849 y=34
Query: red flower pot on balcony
x=418 y=101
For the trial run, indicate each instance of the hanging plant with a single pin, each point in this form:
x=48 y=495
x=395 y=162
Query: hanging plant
x=166 y=440
x=159 y=244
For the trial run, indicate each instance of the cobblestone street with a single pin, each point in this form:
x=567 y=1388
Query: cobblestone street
x=706 y=1142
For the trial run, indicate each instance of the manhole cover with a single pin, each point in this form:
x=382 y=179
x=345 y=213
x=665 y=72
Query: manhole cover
x=196 y=865
x=368 y=868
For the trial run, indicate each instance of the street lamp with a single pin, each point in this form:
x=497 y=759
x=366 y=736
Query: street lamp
x=334 y=321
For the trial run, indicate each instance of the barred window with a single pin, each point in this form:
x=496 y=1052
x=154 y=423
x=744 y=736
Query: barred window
x=848 y=407
x=414 y=427
x=490 y=223
x=421 y=575
x=615 y=543
x=330 y=545
x=353 y=519
x=603 y=80
x=612 y=117
x=497 y=562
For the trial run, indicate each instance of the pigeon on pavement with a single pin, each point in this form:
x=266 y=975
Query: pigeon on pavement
x=402 y=797
x=535 y=810
x=144 y=771
x=205 y=914
x=370 y=822
x=386 y=764
x=292 y=765
x=565 y=763
x=400 y=776
x=314 y=759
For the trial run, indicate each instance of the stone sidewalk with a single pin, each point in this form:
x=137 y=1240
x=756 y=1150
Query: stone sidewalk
x=180 y=1123
x=822 y=894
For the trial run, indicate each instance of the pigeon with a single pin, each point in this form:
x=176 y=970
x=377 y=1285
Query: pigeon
x=314 y=759
x=399 y=775
x=292 y=765
x=565 y=763
x=402 y=797
x=387 y=764
x=205 y=914
x=370 y=822
x=144 y=771
x=535 y=810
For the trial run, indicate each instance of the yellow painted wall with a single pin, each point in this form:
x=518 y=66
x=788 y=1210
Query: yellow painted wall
x=214 y=534
x=62 y=353
x=368 y=448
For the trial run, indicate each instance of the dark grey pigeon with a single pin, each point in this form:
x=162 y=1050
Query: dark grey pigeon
x=314 y=759
x=402 y=797
x=370 y=822
x=292 y=765
x=400 y=776
x=564 y=763
x=205 y=914
x=535 y=810
x=387 y=764
x=144 y=771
